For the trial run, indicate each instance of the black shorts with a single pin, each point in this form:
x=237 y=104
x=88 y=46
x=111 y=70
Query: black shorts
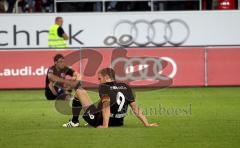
x=50 y=96
x=93 y=116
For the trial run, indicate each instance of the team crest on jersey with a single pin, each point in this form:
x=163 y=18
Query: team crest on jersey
x=62 y=75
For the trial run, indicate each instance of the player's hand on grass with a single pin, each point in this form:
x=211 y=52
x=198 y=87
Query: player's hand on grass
x=153 y=124
x=101 y=126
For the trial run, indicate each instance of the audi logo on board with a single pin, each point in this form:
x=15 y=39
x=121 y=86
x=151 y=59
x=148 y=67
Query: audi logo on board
x=157 y=32
x=143 y=68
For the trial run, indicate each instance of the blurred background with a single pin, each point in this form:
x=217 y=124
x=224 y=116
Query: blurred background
x=50 y=6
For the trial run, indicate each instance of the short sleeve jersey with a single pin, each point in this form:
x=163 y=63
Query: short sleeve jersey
x=120 y=95
x=60 y=73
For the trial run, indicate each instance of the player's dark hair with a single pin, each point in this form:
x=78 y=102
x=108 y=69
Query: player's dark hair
x=57 y=57
x=108 y=71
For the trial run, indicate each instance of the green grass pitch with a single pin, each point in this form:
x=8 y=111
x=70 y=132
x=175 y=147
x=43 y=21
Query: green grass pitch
x=188 y=117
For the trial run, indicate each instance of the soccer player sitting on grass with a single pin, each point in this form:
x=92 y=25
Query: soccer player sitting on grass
x=60 y=79
x=112 y=107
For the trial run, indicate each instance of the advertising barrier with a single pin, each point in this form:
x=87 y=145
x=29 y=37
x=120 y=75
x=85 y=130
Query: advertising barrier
x=139 y=67
x=223 y=66
x=151 y=29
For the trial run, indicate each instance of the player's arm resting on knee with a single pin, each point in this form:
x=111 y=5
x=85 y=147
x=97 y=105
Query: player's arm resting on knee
x=55 y=78
x=138 y=112
x=76 y=76
x=105 y=111
x=51 y=87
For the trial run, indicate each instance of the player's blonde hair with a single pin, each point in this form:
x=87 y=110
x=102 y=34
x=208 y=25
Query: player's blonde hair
x=108 y=72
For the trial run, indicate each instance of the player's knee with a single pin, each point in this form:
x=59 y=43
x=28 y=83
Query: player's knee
x=81 y=91
x=76 y=97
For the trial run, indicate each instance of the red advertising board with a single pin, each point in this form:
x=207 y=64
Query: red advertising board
x=27 y=68
x=223 y=66
x=185 y=66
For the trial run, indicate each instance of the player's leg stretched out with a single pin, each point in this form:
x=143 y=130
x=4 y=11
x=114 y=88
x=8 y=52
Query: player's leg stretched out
x=81 y=101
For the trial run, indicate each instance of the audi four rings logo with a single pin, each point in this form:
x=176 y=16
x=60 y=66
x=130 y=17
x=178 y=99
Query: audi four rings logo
x=143 y=68
x=166 y=32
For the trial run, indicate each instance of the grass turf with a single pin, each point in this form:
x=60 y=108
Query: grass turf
x=188 y=117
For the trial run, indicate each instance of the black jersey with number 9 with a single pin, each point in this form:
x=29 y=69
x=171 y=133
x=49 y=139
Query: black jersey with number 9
x=121 y=96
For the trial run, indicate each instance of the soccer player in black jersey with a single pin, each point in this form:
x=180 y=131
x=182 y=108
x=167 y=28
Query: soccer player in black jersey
x=112 y=107
x=56 y=83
